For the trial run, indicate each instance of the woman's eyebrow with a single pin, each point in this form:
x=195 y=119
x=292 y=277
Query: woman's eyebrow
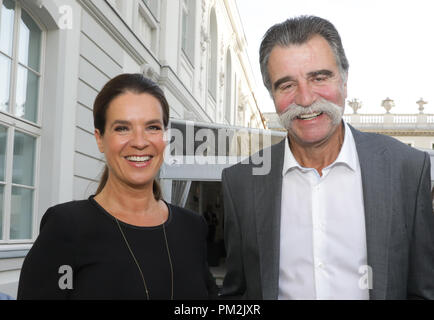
x=159 y=121
x=124 y=122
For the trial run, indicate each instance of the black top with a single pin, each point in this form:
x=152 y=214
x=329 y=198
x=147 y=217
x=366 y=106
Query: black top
x=85 y=237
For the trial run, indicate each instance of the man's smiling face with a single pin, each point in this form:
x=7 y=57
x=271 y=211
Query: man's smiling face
x=302 y=75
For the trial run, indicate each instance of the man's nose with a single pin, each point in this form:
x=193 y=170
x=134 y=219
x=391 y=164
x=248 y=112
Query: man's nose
x=304 y=96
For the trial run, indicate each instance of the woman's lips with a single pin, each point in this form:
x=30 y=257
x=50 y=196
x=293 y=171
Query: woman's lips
x=139 y=161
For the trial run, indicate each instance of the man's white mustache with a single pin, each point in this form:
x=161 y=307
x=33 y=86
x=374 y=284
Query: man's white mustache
x=293 y=111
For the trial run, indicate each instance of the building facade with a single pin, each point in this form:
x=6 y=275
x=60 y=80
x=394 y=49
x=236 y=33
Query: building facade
x=55 y=55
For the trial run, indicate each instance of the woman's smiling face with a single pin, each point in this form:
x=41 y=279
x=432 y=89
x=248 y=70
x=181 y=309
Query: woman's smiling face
x=133 y=141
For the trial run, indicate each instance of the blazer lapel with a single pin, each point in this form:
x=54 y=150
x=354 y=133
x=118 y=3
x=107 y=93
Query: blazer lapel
x=377 y=194
x=267 y=200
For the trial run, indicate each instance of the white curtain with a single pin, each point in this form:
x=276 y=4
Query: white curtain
x=180 y=189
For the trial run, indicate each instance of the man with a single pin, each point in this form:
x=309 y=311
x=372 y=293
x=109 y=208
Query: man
x=342 y=214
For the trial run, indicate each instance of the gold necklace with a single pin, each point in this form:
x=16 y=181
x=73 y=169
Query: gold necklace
x=137 y=263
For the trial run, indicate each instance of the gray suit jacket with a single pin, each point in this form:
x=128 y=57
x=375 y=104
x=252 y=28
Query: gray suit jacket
x=398 y=216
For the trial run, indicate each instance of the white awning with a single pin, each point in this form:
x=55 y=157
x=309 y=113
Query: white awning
x=200 y=151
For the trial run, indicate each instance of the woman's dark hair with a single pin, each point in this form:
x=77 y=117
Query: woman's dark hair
x=127 y=82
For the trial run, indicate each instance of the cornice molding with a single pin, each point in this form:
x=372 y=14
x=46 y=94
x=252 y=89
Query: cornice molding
x=396 y=133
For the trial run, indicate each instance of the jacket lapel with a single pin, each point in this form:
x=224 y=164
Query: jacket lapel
x=267 y=200
x=377 y=195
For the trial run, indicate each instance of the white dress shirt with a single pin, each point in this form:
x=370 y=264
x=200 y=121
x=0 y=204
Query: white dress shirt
x=322 y=231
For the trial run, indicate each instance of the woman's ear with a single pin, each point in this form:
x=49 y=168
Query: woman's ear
x=98 y=138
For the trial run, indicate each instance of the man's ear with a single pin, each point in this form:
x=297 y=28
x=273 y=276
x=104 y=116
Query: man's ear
x=98 y=138
x=345 y=90
x=345 y=85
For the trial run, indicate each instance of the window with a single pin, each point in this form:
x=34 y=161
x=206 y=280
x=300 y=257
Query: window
x=21 y=41
x=212 y=57
x=146 y=30
x=3 y=139
x=17 y=182
x=235 y=100
x=228 y=87
x=147 y=25
x=187 y=37
x=153 y=7
x=20 y=58
x=117 y=4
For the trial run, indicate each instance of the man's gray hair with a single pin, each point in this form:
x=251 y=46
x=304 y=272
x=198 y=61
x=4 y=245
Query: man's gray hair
x=297 y=31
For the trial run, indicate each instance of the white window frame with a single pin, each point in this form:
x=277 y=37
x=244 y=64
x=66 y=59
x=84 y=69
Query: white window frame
x=213 y=65
x=13 y=124
x=15 y=63
x=155 y=15
x=190 y=27
x=143 y=11
x=228 y=88
x=119 y=7
x=235 y=99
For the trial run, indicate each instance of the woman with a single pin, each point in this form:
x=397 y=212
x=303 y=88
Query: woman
x=125 y=242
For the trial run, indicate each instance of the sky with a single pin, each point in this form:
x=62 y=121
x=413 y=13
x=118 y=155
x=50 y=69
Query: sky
x=389 y=45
